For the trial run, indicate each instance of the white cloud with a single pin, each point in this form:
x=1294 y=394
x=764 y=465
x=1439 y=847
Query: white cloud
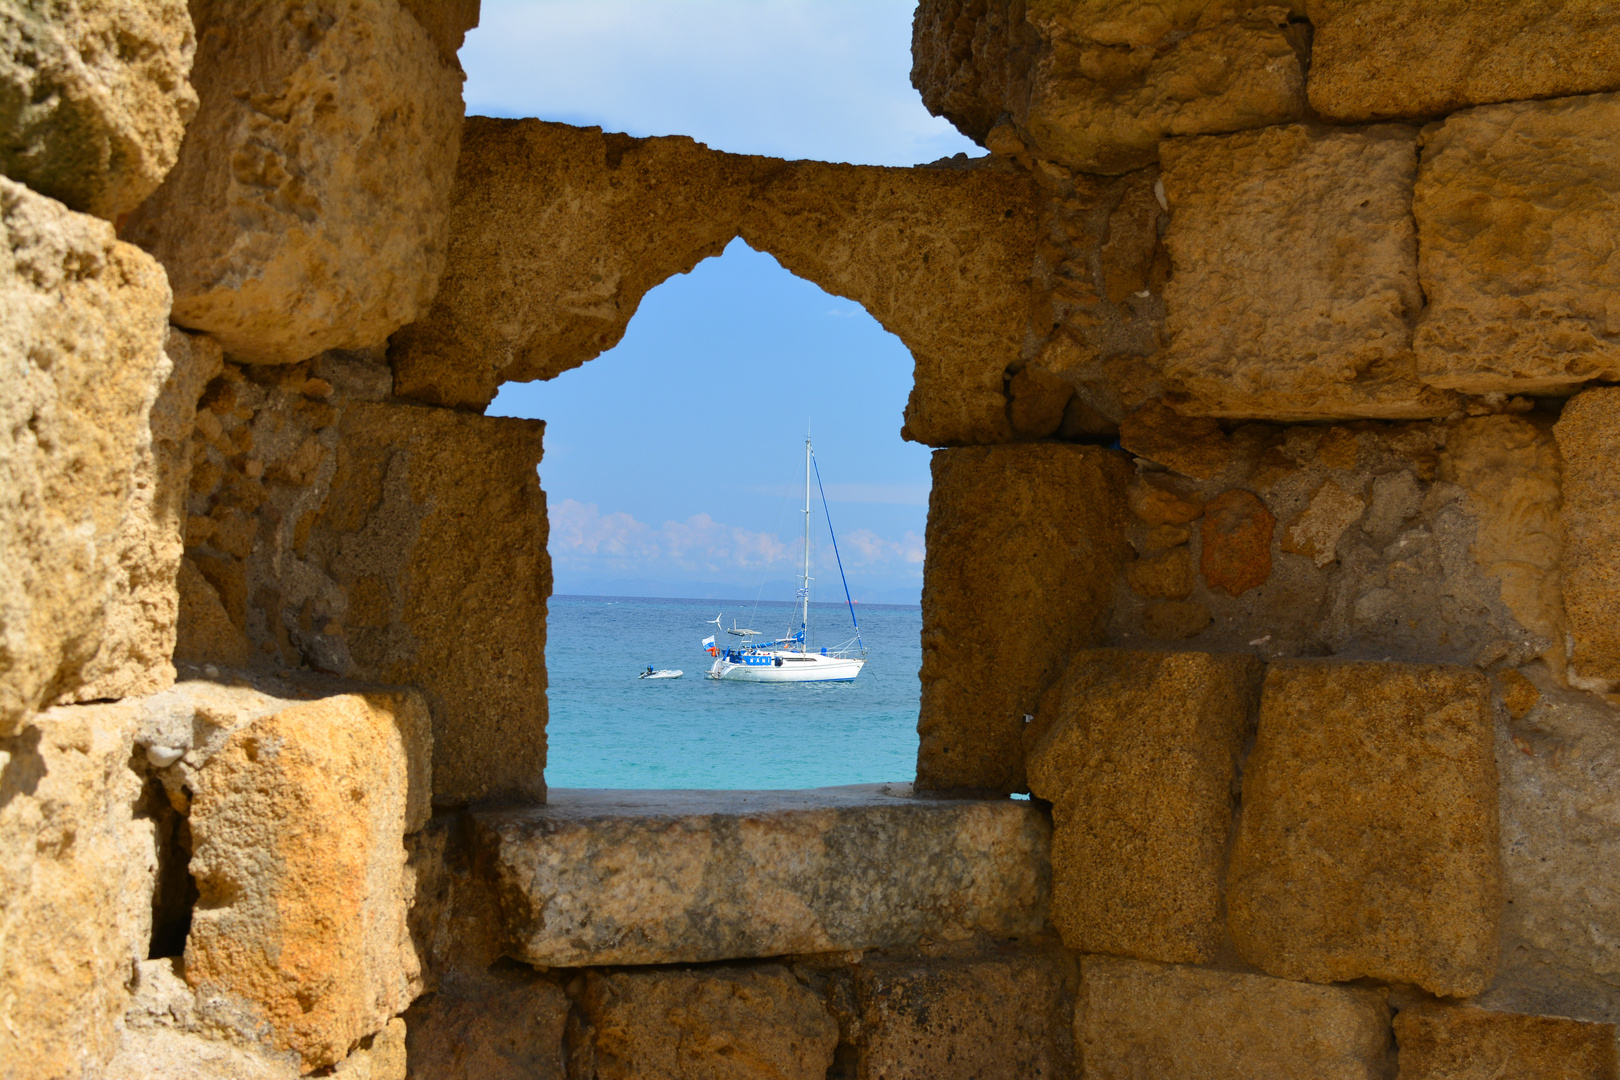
x=869 y=548
x=824 y=79
x=580 y=531
x=584 y=538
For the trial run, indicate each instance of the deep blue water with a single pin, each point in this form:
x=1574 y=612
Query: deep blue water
x=610 y=729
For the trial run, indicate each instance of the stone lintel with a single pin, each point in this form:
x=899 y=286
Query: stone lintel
x=660 y=877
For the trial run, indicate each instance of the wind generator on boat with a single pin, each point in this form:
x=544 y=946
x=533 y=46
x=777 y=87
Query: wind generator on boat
x=789 y=658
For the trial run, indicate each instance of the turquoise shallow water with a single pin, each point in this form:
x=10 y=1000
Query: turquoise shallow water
x=610 y=729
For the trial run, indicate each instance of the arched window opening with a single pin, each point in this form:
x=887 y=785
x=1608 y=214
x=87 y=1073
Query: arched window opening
x=674 y=480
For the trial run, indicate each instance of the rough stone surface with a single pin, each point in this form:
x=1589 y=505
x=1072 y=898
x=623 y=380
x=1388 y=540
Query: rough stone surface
x=1018 y=536
x=82 y=325
x=744 y=1023
x=1141 y=1020
x=381 y=541
x=1138 y=752
x=446 y=22
x=298 y=815
x=1164 y=575
x=506 y=1024
x=999 y=1018
x=1513 y=204
x=1560 y=766
x=940 y=257
x=604 y=877
x=1236 y=537
x=1510 y=468
x=308 y=208
x=1454 y=559
x=1368 y=842
x=381 y=1056
x=1097 y=86
x=204 y=631
x=1315 y=532
x=167 y=1054
x=94 y=98
x=1190 y=445
x=1295 y=284
x=557 y=232
x=1588 y=436
x=171 y=1033
x=78 y=866
x=1096 y=316
x=1158 y=504
x=1176 y=620
x=440 y=549
x=1443 y=1042
x=1384 y=59
x=138 y=642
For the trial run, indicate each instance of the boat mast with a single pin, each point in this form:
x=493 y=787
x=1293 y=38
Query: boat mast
x=804 y=593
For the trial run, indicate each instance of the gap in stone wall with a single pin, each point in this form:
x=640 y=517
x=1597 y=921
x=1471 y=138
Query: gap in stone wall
x=681 y=449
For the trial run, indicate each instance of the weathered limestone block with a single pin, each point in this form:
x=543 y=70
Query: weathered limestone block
x=615 y=877
x=1513 y=203
x=380 y=541
x=556 y=233
x=507 y=1024
x=379 y=1057
x=743 y=1023
x=1444 y=1042
x=1137 y=752
x=308 y=208
x=446 y=22
x=298 y=815
x=1027 y=537
x=435 y=529
x=169 y=1033
x=171 y=1054
x=1097 y=316
x=1000 y=1018
x=1430 y=542
x=1389 y=59
x=82 y=325
x=1295 y=282
x=1588 y=435
x=1194 y=446
x=78 y=867
x=94 y=98
x=1560 y=764
x=1096 y=86
x=1368 y=843
x=1154 y=1022
x=140 y=621
x=1511 y=470
x=940 y=257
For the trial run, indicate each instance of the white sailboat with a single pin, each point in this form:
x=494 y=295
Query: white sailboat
x=790 y=658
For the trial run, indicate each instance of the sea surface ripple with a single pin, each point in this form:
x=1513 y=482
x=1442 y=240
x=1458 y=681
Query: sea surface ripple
x=611 y=729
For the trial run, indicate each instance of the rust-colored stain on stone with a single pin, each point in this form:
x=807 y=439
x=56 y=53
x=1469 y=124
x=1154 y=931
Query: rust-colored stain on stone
x=1237 y=542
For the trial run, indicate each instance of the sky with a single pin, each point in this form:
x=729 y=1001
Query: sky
x=674 y=462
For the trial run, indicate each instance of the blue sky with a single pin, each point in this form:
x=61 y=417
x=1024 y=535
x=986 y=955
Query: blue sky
x=674 y=462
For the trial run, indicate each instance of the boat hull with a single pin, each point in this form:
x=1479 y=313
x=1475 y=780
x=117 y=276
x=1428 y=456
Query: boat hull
x=794 y=667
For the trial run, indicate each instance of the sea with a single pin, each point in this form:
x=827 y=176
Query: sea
x=609 y=729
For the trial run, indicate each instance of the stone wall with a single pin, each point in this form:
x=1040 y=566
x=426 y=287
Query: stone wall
x=1271 y=549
